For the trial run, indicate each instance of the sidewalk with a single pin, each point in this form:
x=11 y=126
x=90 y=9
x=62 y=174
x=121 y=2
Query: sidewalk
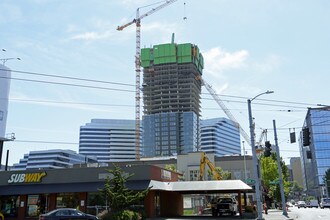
x=275 y=214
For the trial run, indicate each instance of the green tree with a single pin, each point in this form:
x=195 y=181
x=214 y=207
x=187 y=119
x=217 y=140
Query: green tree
x=226 y=175
x=117 y=195
x=296 y=190
x=171 y=167
x=270 y=177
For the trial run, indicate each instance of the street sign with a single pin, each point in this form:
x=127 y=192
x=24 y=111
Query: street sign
x=275 y=182
x=250 y=181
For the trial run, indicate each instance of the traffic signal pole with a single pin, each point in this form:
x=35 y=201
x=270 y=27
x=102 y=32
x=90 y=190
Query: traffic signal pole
x=279 y=170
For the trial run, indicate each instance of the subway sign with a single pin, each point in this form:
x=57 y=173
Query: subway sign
x=26 y=177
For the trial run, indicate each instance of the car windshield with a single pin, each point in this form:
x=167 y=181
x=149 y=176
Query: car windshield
x=76 y=213
x=326 y=200
x=226 y=200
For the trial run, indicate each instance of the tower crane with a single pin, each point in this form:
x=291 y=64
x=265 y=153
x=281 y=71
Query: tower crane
x=137 y=21
x=226 y=110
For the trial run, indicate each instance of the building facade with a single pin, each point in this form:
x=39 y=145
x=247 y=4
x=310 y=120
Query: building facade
x=109 y=140
x=171 y=96
x=24 y=195
x=51 y=159
x=315 y=150
x=220 y=136
x=296 y=171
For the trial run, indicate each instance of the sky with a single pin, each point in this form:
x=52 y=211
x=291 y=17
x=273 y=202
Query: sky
x=75 y=65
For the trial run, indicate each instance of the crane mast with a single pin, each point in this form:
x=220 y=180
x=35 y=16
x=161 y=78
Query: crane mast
x=137 y=22
x=226 y=110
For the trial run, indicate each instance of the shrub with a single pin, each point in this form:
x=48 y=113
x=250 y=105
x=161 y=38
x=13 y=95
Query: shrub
x=123 y=215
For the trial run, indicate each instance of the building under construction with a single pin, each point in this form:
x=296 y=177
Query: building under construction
x=171 y=96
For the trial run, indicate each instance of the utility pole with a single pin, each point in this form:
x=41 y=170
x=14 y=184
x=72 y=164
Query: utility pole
x=254 y=155
x=279 y=171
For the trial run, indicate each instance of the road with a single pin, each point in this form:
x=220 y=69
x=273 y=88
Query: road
x=293 y=214
x=309 y=213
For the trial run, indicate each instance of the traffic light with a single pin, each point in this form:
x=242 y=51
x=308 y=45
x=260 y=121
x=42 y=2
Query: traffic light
x=268 y=149
x=306 y=136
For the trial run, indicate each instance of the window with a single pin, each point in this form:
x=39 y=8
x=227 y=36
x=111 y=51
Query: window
x=9 y=206
x=67 y=200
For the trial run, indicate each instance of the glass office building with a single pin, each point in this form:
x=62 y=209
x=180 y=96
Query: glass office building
x=109 y=140
x=168 y=134
x=315 y=150
x=51 y=159
x=220 y=136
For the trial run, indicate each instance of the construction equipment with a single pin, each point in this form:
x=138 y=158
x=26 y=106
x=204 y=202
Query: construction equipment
x=137 y=21
x=205 y=160
x=226 y=110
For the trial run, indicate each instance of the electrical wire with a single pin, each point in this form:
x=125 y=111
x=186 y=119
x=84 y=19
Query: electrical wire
x=69 y=77
x=71 y=103
x=132 y=85
x=68 y=84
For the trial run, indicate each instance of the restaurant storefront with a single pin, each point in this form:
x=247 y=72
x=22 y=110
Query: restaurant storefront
x=27 y=194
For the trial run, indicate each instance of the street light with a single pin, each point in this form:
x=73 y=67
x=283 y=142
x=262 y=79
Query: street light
x=11 y=58
x=254 y=155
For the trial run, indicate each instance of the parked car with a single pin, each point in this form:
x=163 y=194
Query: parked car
x=66 y=213
x=313 y=203
x=325 y=203
x=224 y=205
x=301 y=204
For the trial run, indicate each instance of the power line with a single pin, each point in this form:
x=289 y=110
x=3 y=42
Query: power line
x=68 y=84
x=258 y=103
x=71 y=103
x=131 y=85
x=45 y=142
x=69 y=77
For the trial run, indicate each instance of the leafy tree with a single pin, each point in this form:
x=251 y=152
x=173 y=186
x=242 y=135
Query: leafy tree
x=171 y=167
x=296 y=190
x=270 y=177
x=117 y=195
x=226 y=175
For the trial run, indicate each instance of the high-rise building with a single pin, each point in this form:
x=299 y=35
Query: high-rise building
x=51 y=159
x=171 y=96
x=109 y=140
x=315 y=150
x=220 y=136
x=295 y=165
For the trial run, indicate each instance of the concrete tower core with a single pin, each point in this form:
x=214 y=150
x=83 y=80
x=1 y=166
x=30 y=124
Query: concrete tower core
x=171 y=97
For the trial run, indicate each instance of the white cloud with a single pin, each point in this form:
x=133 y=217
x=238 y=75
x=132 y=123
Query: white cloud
x=89 y=36
x=218 y=60
x=270 y=63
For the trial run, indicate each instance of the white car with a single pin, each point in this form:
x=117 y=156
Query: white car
x=301 y=204
x=325 y=203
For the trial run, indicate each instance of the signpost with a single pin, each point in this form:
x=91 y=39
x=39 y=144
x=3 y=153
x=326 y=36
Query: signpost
x=250 y=181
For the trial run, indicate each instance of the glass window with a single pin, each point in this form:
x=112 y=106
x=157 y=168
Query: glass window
x=9 y=206
x=36 y=205
x=67 y=200
x=95 y=203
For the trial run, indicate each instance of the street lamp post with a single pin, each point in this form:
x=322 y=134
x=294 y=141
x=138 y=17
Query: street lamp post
x=245 y=175
x=11 y=58
x=254 y=156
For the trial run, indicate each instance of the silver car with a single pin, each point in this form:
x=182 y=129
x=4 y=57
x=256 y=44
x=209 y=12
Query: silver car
x=325 y=203
x=301 y=204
